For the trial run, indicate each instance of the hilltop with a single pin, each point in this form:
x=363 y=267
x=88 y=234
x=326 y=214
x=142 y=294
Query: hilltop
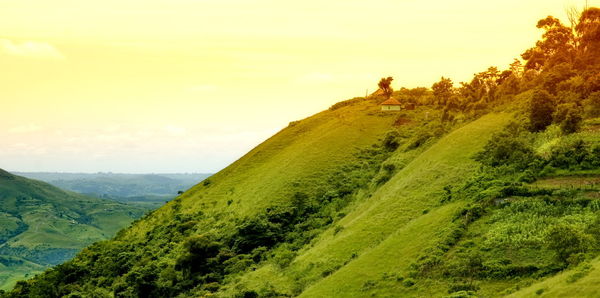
x=42 y=225
x=489 y=189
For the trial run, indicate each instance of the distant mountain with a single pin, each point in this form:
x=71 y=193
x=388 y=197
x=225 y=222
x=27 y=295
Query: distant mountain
x=42 y=225
x=147 y=190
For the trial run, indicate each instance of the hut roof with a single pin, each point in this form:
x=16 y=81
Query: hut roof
x=391 y=102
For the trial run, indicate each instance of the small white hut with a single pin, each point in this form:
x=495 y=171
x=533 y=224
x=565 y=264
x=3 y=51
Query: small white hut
x=391 y=105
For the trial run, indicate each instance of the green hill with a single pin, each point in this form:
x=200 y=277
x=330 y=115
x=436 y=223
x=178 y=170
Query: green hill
x=490 y=189
x=42 y=225
x=144 y=190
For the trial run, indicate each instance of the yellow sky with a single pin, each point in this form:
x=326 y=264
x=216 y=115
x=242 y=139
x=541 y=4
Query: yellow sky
x=189 y=86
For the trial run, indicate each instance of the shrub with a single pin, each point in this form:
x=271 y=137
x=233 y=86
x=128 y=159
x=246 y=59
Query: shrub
x=539 y=291
x=541 y=108
x=572 y=121
x=592 y=105
x=419 y=139
x=573 y=153
x=457 y=287
x=391 y=140
x=507 y=148
x=409 y=282
x=566 y=240
x=198 y=249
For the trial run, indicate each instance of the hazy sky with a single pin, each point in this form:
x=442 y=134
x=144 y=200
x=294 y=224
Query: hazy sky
x=190 y=86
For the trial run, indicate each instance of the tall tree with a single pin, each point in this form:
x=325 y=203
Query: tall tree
x=588 y=32
x=385 y=86
x=443 y=90
x=557 y=45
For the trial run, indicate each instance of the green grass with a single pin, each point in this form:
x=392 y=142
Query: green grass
x=417 y=187
x=302 y=154
x=582 y=281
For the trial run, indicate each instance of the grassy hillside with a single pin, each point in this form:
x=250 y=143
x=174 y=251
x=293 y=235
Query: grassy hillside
x=42 y=225
x=490 y=189
x=344 y=187
x=368 y=233
x=358 y=202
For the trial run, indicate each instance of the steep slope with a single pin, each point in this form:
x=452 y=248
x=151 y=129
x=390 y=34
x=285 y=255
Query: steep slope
x=264 y=218
x=313 y=163
x=299 y=158
x=385 y=233
x=41 y=225
x=356 y=202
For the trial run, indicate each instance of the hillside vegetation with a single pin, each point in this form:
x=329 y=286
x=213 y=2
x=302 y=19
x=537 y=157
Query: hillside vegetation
x=42 y=226
x=489 y=189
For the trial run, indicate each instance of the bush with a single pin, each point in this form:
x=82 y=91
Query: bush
x=198 y=250
x=409 y=282
x=507 y=148
x=539 y=291
x=566 y=240
x=541 y=108
x=569 y=118
x=462 y=287
x=391 y=140
x=419 y=139
x=592 y=105
x=574 y=153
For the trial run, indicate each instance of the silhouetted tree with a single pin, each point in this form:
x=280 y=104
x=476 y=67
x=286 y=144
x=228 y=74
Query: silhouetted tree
x=443 y=90
x=557 y=45
x=385 y=86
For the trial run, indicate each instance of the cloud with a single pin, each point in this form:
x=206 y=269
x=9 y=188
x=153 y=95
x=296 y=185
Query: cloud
x=174 y=130
x=31 y=49
x=25 y=128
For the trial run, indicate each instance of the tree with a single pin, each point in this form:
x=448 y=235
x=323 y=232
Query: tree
x=507 y=148
x=566 y=240
x=516 y=68
x=443 y=90
x=568 y=115
x=592 y=105
x=588 y=32
x=385 y=86
x=555 y=75
x=541 y=108
x=572 y=122
x=557 y=45
x=197 y=252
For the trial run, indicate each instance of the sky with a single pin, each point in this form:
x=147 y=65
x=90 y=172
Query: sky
x=159 y=86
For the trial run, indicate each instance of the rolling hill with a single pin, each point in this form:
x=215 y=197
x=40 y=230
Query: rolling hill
x=491 y=189
x=356 y=202
x=42 y=225
x=145 y=190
